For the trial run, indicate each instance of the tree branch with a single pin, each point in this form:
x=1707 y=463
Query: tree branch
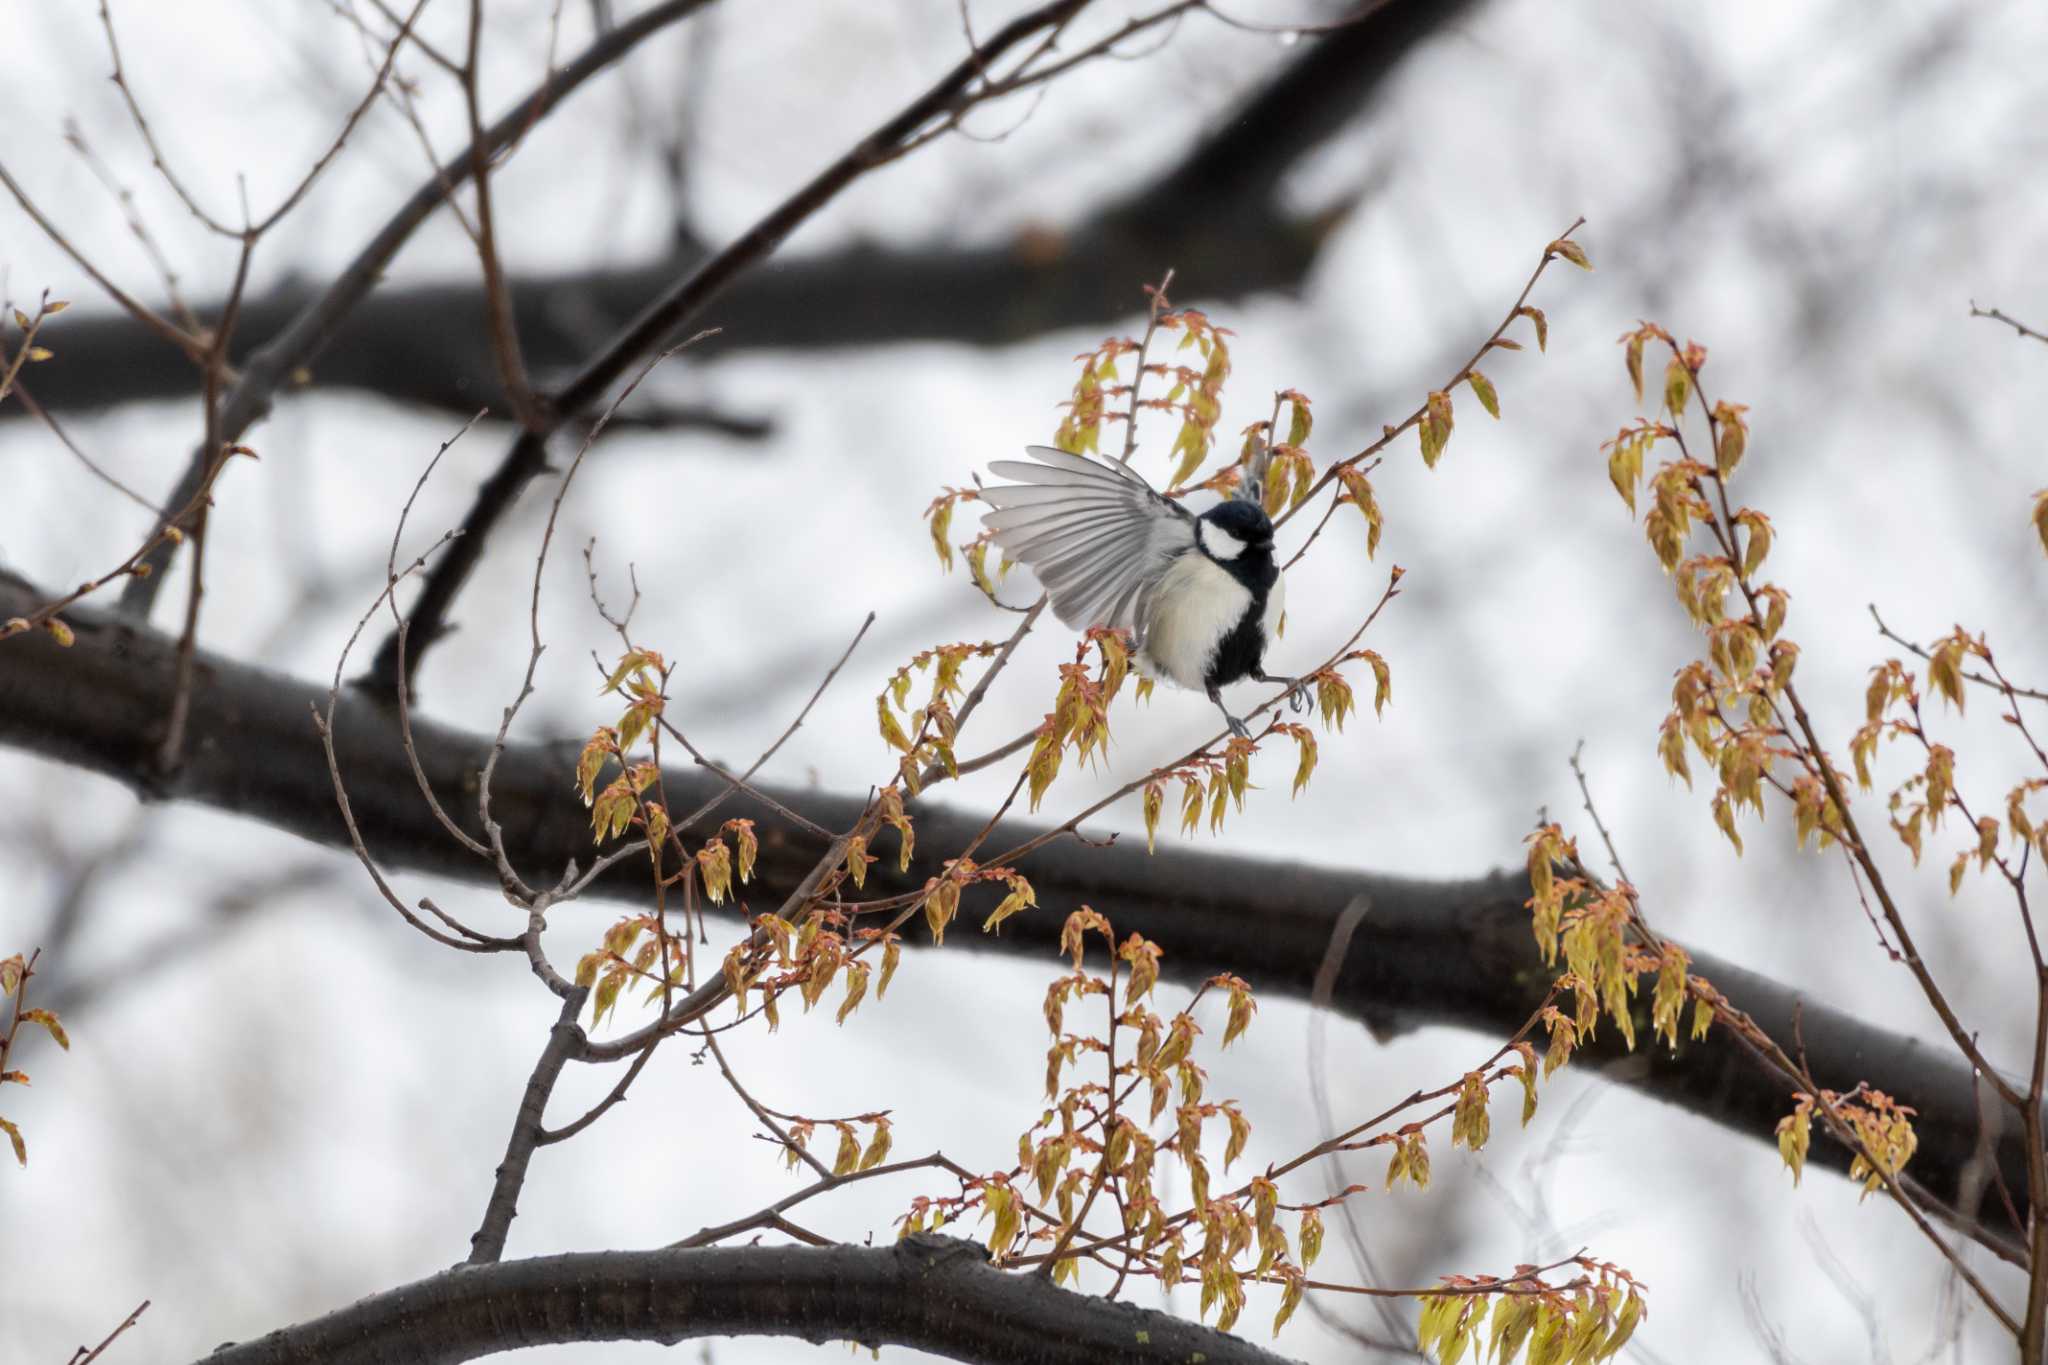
x=933 y=1293
x=529 y=1127
x=1457 y=953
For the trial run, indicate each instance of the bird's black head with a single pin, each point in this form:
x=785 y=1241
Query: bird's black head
x=1244 y=528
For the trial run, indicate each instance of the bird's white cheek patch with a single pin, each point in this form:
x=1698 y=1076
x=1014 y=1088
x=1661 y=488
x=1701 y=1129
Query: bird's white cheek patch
x=1196 y=605
x=1218 y=541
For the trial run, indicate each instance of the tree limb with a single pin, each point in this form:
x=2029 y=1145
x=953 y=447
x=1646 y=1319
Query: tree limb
x=934 y=1293
x=1458 y=952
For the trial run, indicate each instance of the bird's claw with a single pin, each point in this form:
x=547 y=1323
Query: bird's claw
x=1297 y=691
x=1238 y=727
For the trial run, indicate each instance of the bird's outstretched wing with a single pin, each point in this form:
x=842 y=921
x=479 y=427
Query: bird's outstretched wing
x=1094 y=532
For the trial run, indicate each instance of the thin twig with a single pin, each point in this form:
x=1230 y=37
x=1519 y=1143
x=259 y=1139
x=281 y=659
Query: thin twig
x=767 y=1118
x=248 y=231
x=193 y=346
x=1993 y=683
x=1388 y=434
x=323 y=724
x=550 y=1136
x=1586 y=792
x=498 y=320
x=85 y=1357
x=98 y=471
x=75 y=138
x=2017 y=326
x=405 y=733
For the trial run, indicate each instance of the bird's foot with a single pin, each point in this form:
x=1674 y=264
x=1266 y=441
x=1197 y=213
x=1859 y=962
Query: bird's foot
x=1237 y=727
x=1297 y=691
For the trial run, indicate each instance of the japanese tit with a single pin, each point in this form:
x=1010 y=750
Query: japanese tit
x=1201 y=595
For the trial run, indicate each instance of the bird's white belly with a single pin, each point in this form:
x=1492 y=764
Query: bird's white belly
x=1194 y=607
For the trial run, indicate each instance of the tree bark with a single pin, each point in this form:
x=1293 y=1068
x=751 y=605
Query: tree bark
x=934 y=1293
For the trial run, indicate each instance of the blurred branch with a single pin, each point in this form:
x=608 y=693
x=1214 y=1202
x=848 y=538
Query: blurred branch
x=1215 y=215
x=1996 y=316
x=83 y=1356
x=933 y=1293
x=1457 y=952
x=656 y=415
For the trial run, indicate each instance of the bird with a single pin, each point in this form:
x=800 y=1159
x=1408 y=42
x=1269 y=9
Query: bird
x=1200 y=595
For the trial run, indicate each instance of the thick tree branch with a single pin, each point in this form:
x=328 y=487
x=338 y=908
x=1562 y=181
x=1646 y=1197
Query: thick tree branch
x=934 y=1293
x=425 y=343
x=1457 y=953
x=1215 y=216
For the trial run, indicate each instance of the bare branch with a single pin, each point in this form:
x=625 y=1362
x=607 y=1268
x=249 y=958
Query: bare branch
x=2018 y=327
x=87 y=1357
x=529 y=1127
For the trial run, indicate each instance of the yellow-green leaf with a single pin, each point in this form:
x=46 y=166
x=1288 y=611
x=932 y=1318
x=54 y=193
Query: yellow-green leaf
x=48 y=1021
x=1572 y=251
x=1482 y=387
x=1677 y=386
x=1795 y=1135
x=892 y=732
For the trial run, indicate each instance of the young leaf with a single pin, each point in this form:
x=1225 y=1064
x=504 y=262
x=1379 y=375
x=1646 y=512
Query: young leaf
x=49 y=1021
x=941 y=523
x=1310 y=1238
x=1572 y=251
x=1298 y=428
x=1795 y=1135
x=1482 y=387
x=1677 y=386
